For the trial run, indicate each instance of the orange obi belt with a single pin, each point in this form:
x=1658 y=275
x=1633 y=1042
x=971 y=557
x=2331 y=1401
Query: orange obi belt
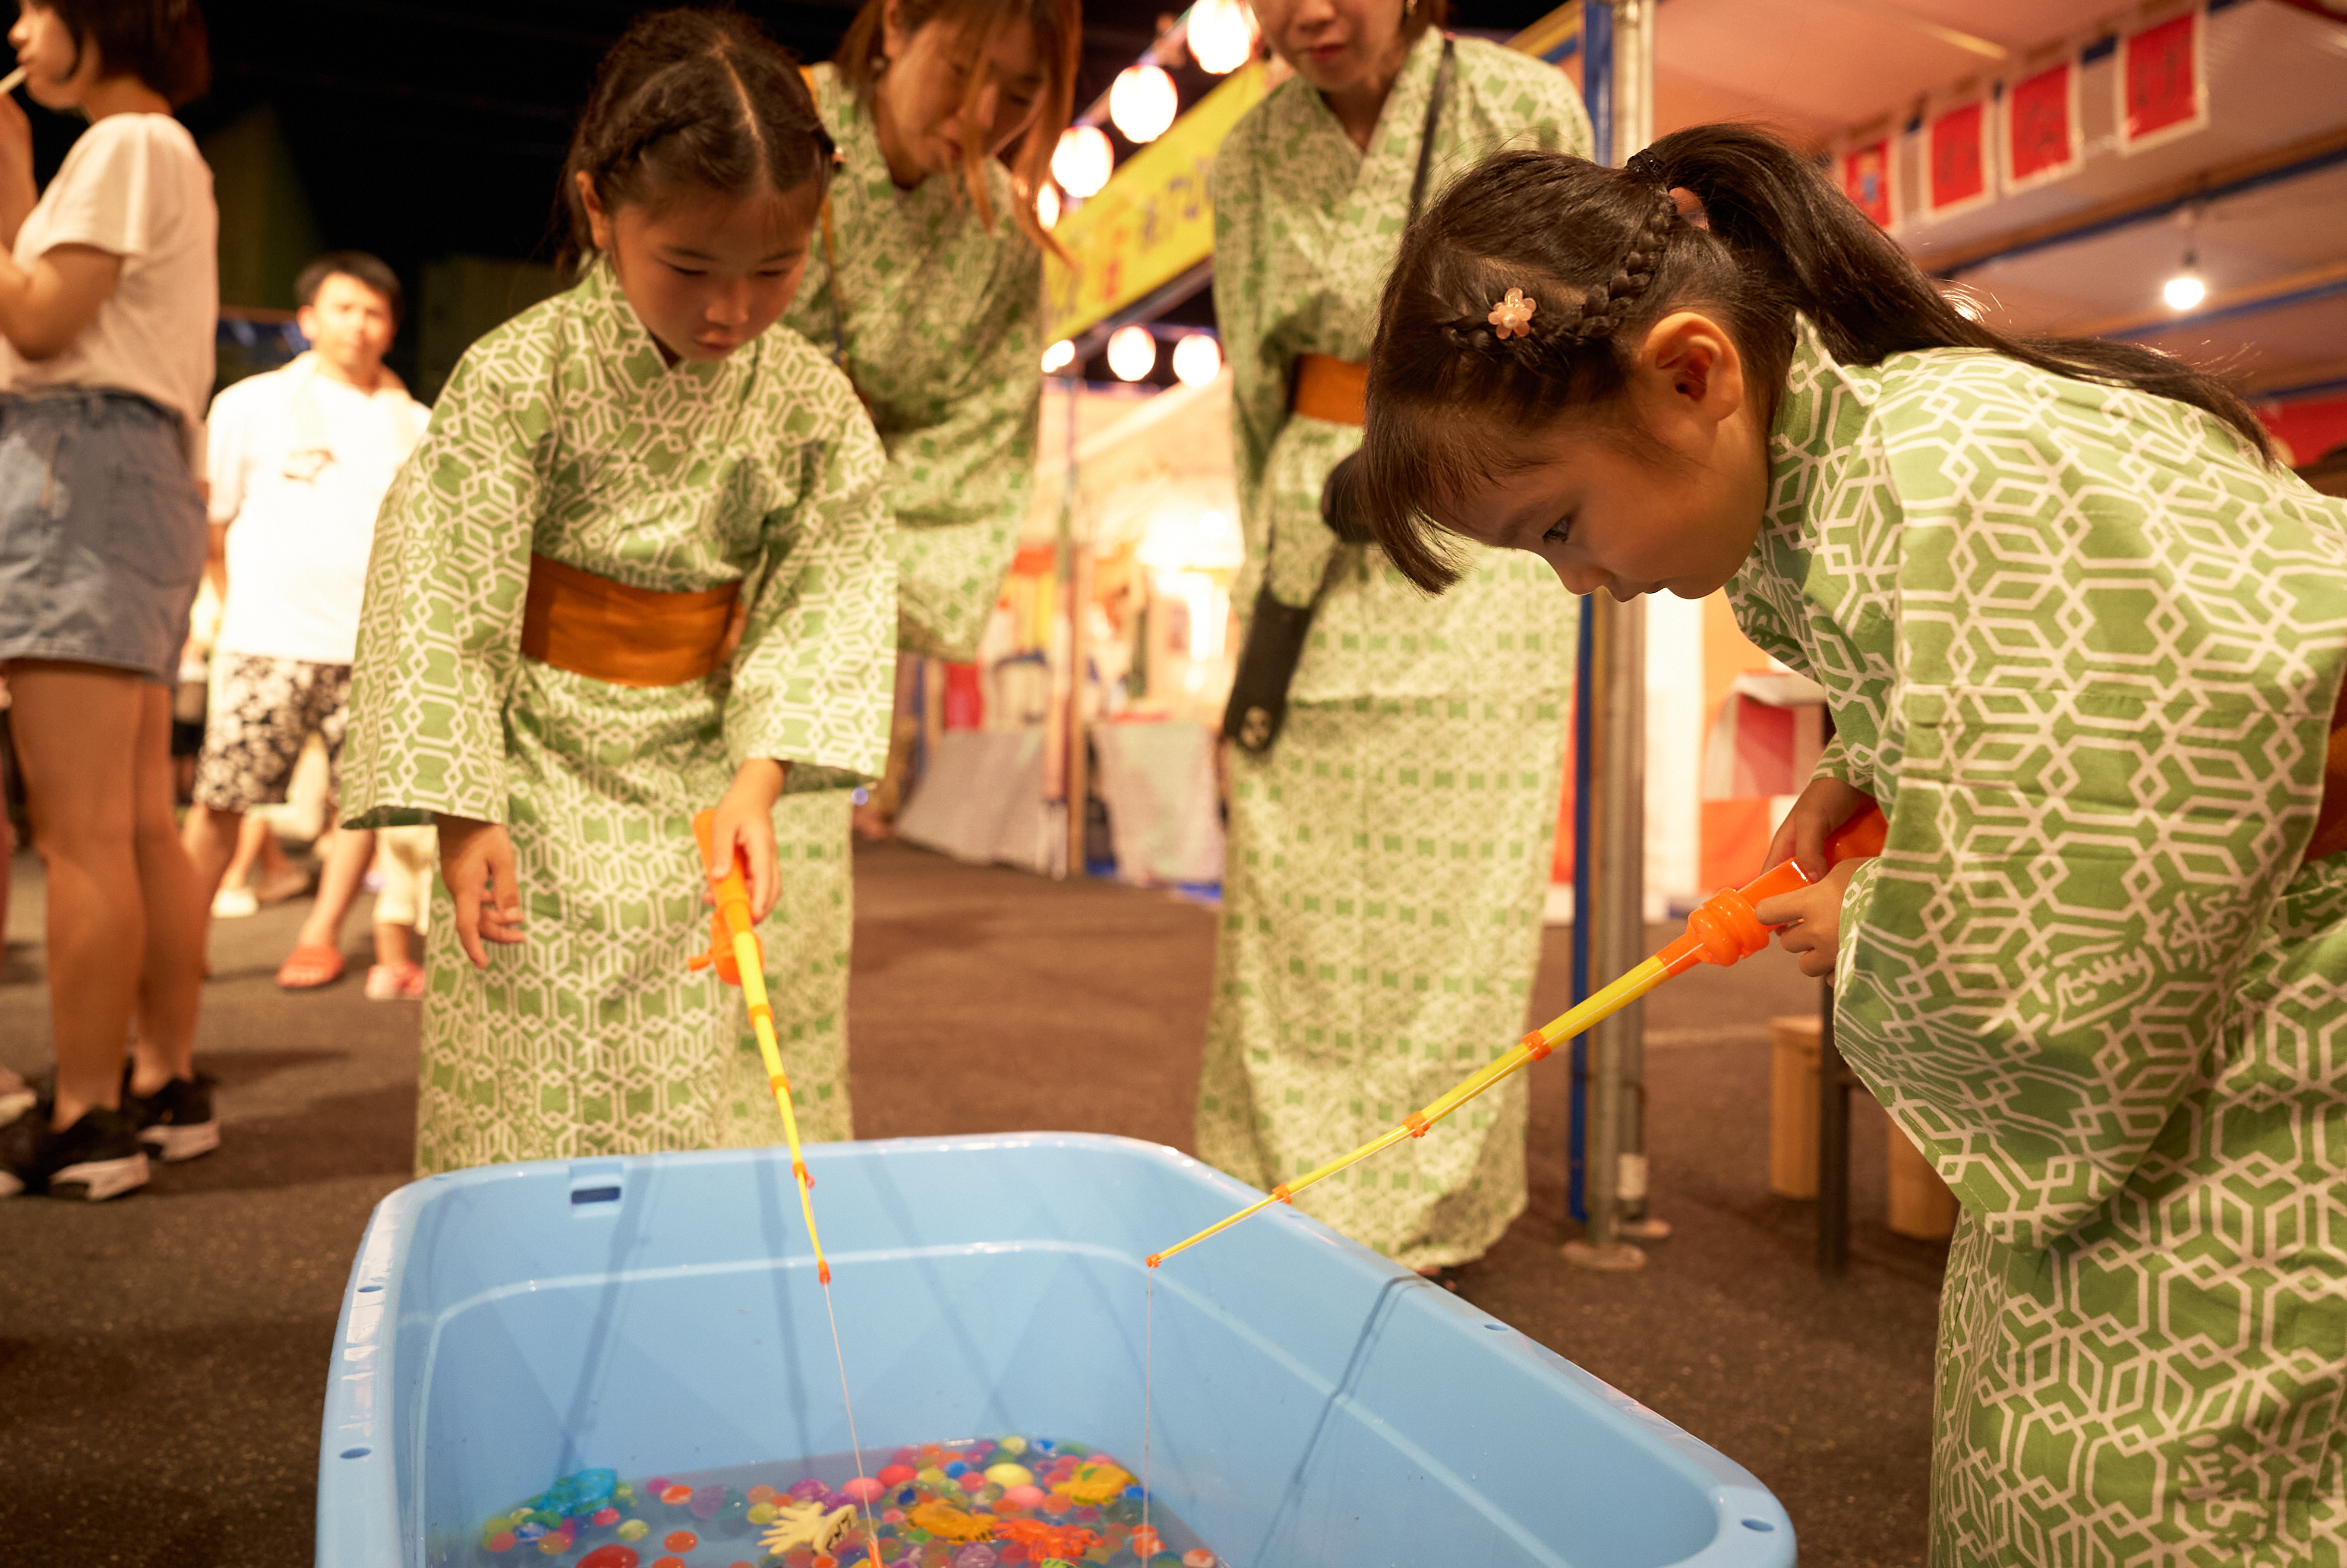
x=622 y=636
x=2331 y=820
x=1336 y=390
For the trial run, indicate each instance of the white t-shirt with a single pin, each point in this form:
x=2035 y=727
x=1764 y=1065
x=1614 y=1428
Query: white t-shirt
x=135 y=186
x=300 y=463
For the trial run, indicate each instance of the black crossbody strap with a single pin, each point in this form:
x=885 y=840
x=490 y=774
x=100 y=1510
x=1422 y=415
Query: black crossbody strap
x=1276 y=631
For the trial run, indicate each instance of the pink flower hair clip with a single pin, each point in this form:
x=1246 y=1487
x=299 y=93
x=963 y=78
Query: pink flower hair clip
x=1512 y=316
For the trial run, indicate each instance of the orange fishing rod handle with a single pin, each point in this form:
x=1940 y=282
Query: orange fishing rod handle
x=1725 y=930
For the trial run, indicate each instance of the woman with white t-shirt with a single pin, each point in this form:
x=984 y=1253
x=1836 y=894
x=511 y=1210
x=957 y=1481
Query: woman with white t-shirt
x=109 y=300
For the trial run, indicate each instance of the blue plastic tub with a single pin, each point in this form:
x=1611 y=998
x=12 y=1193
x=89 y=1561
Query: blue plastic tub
x=1313 y=1403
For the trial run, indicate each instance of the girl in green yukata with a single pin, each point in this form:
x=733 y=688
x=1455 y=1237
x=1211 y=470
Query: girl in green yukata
x=539 y=661
x=926 y=285
x=1389 y=853
x=2083 y=642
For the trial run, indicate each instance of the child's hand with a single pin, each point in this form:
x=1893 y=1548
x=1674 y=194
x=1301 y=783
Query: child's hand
x=1811 y=917
x=1821 y=809
x=746 y=822
x=477 y=862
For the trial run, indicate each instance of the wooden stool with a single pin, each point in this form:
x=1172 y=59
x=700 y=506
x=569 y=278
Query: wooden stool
x=1921 y=1206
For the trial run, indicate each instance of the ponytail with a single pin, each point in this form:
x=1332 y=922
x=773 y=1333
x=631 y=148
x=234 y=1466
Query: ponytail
x=1607 y=253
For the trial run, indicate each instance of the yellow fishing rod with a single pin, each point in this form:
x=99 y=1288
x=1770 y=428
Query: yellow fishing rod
x=734 y=950
x=1723 y=930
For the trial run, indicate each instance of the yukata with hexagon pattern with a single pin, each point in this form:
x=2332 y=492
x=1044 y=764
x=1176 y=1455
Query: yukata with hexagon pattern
x=2087 y=653
x=1390 y=855
x=566 y=433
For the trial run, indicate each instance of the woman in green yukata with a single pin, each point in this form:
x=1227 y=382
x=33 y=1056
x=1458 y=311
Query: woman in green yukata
x=926 y=285
x=1389 y=854
x=2082 y=640
x=539 y=657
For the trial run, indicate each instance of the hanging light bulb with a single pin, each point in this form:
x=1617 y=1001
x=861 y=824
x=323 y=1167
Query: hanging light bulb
x=1047 y=206
x=1222 y=36
x=1132 y=353
x=2185 y=290
x=1197 y=359
x=1142 y=102
x=1083 y=160
x=1058 y=356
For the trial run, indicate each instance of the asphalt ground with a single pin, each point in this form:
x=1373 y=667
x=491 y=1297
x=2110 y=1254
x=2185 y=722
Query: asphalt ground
x=163 y=1358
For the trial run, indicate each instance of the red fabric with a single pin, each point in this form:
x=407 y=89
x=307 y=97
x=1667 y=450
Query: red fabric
x=2309 y=428
x=965 y=698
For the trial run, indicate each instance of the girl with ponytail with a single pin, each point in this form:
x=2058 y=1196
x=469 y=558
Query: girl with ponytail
x=2083 y=643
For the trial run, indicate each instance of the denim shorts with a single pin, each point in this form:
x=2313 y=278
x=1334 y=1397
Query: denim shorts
x=102 y=535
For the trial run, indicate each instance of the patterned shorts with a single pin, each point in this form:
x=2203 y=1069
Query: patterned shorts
x=267 y=707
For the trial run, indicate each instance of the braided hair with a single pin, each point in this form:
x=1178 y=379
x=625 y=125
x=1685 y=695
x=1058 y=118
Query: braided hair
x=1606 y=253
x=693 y=100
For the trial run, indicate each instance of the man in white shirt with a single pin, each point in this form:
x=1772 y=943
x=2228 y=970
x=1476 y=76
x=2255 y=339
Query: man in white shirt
x=301 y=458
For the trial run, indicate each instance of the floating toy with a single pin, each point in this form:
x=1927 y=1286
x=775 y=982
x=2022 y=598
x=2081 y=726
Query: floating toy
x=1723 y=930
x=808 y=1525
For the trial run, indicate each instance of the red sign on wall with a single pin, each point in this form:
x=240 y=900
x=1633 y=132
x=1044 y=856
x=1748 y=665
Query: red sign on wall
x=1866 y=179
x=1955 y=144
x=2044 y=141
x=2163 y=90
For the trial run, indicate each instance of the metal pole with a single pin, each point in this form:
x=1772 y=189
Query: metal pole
x=1620 y=58
x=1073 y=786
x=1597 y=97
x=1584 y=900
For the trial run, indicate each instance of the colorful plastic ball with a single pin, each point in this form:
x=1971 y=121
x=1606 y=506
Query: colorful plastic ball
x=973 y=1556
x=681 y=1541
x=896 y=1475
x=668 y=1562
x=503 y=1541
x=556 y=1543
x=612 y=1555
x=606 y=1517
x=1197 y=1557
x=530 y=1531
x=957 y=1470
x=761 y=1514
x=809 y=1490
x=1009 y=1475
x=972 y=1480
x=676 y=1495
x=635 y=1529
x=1024 y=1496
x=862 y=1489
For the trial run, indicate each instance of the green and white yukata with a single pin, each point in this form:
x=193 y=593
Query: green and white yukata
x=1389 y=857
x=2085 y=654
x=564 y=433
x=941 y=321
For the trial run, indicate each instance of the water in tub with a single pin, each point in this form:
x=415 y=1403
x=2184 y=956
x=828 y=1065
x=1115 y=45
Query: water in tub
x=1013 y=1501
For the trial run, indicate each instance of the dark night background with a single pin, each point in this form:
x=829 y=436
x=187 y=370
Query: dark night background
x=421 y=131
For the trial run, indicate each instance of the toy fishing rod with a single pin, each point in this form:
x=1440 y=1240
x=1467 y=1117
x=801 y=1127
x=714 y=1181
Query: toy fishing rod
x=1723 y=930
x=741 y=960
x=734 y=950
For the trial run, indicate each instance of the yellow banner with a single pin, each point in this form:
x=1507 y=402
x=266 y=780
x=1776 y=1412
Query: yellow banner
x=1151 y=223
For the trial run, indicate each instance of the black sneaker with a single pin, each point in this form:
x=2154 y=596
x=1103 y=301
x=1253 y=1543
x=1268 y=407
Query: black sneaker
x=98 y=1157
x=177 y=1119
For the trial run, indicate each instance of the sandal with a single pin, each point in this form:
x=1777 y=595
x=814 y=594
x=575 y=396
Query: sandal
x=310 y=965
x=395 y=983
